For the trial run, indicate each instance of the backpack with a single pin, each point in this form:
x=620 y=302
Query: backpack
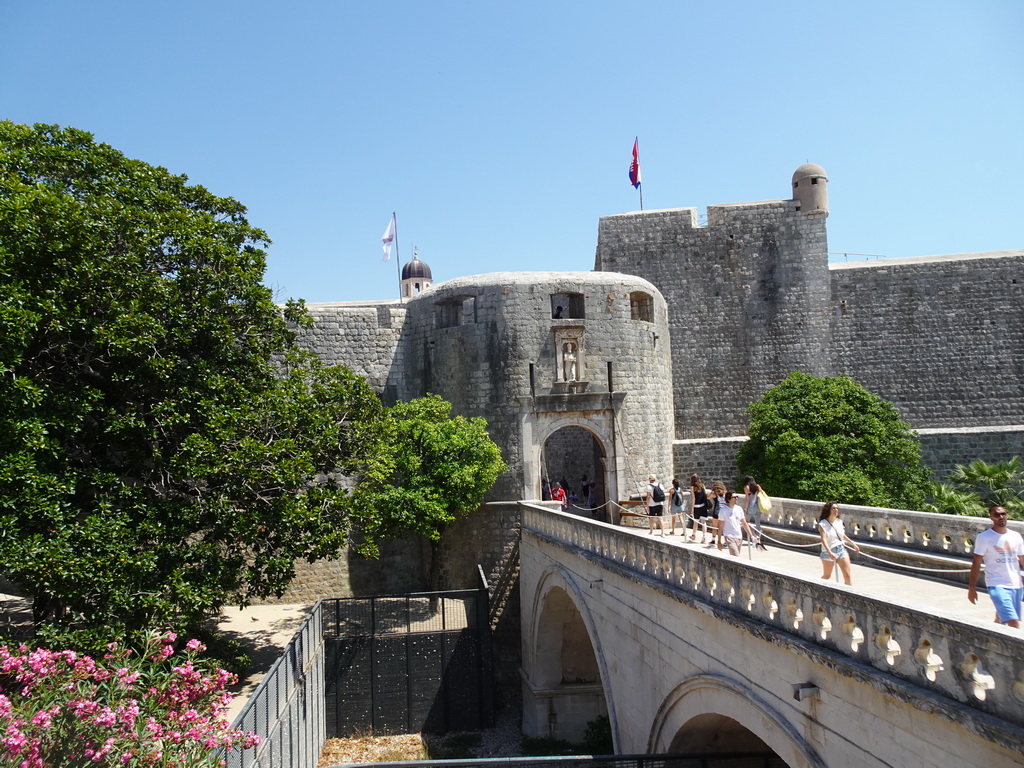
x=677 y=498
x=657 y=493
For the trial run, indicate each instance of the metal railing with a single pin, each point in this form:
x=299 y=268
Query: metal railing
x=287 y=708
x=708 y=760
x=402 y=663
x=408 y=663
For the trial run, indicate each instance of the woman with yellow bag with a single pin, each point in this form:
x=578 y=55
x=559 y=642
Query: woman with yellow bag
x=755 y=502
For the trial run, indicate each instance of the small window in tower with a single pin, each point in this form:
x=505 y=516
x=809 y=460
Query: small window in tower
x=457 y=311
x=814 y=180
x=567 y=305
x=641 y=306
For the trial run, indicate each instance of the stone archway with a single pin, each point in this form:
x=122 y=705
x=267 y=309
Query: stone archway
x=563 y=669
x=712 y=713
x=574 y=457
x=596 y=440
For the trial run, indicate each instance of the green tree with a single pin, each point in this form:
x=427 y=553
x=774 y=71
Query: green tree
x=950 y=500
x=163 y=447
x=973 y=488
x=829 y=438
x=439 y=468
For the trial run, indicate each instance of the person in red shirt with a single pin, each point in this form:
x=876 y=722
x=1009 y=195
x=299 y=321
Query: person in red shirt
x=558 y=494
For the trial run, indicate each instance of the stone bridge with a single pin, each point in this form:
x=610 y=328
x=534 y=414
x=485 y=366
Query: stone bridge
x=688 y=650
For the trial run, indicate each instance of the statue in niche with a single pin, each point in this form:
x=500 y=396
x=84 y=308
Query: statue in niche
x=569 y=369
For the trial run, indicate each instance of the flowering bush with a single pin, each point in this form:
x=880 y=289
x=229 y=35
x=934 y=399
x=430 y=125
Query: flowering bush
x=60 y=708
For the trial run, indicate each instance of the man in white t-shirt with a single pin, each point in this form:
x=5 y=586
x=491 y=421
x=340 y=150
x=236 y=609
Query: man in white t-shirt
x=1002 y=551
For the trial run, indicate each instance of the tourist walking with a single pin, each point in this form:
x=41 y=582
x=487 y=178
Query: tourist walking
x=716 y=505
x=558 y=494
x=700 y=510
x=753 y=507
x=655 y=504
x=1002 y=552
x=833 y=542
x=676 y=509
x=733 y=524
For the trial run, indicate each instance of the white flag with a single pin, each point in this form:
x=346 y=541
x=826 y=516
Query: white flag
x=388 y=239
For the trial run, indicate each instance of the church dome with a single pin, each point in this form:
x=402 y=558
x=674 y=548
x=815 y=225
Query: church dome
x=416 y=269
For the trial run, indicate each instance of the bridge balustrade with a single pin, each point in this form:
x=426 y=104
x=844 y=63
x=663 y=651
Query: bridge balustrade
x=979 y=667
x=951 y=535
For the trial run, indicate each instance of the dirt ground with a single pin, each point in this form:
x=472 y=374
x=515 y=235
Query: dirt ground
x=504 y=740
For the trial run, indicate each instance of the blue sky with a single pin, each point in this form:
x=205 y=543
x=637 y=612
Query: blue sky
x=501 y=132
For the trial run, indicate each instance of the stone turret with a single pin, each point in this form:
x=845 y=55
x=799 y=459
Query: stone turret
x=810 y=189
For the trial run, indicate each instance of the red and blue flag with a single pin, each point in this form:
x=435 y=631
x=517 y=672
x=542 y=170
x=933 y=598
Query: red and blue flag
x=634 y=167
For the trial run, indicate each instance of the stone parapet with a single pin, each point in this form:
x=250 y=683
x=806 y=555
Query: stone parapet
x=938 y=534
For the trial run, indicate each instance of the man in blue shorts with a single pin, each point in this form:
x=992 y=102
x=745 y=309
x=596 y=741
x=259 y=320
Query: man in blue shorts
x=1002 y=551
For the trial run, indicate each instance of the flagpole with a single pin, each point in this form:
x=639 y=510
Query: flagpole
x=398 y=259
x=638 y=186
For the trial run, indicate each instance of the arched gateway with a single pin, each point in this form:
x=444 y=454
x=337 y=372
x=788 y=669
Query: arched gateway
x=567 y=449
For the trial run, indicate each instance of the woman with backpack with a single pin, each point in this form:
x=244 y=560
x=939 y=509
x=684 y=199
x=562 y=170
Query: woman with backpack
x=676 y=509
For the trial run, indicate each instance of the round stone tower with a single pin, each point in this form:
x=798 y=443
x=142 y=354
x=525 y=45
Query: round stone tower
x=570 y=369
x=810 y=189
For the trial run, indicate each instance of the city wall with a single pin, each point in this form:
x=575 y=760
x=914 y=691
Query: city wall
x=752 y=298
x=941 y=337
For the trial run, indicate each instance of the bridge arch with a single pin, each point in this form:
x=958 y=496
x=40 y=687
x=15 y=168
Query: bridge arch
x=564 y=668
x=707 y=702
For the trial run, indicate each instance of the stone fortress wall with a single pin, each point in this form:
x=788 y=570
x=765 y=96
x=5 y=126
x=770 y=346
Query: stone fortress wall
x=942 y=337
x=747 y=298
x=752 y=296
x=491 y=345
x=732 y=307
x=541 y=356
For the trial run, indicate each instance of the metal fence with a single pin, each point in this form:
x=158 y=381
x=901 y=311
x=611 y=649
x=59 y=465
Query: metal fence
x=398 y=664
x=410 y=663
x=287 y=709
